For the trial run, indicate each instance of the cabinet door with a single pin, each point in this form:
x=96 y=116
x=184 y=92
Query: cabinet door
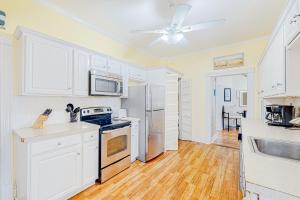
x=55 y=175
x=114 y=66
x=81 y=73
x=99 y=62
x=134 y=140
x=137 y=74
x=277 y=57
x=90 y=162
x=48 y=67
x=125 y=77
x=292 y=23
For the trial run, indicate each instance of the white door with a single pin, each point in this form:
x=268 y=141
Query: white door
x=81 y=73
x=90 y=162
x=54 y=175
x=186 y=106
x=171 y=112
x=99 y=62
x=48 y=67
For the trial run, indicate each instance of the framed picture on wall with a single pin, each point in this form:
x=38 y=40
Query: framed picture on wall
x=227 y=94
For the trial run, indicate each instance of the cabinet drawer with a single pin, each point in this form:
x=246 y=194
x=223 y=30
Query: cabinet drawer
x=91 y=136
x=54 y=144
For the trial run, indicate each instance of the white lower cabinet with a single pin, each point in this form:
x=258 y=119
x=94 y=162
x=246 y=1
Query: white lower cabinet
x=56 y=174
x=90 y=164
x=56 y=169
x=134 y=140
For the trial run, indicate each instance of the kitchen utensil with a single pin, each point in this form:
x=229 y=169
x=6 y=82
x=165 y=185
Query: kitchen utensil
x=39 y=123
x=70 y=107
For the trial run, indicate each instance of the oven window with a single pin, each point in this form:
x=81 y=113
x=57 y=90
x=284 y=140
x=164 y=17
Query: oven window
x=102 y=85
x=116 y=145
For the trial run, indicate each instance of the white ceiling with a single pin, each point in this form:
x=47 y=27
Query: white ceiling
x=246 y=19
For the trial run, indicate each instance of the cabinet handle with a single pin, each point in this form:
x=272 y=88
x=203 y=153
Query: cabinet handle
x=78 y=154
x=59 y=143
x=273 y=86
x=279 y=84
x=92 y=136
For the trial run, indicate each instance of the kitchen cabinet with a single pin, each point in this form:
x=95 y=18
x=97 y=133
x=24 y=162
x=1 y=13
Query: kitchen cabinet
x=98 y=62
x=125 y=77
x=137 y=74
x=134 y=139
x=273 y=67
x=81 y=73
x=90 y=162
x=59 y=167
x=114 y=66
x=46 y=66
x=55 y=174
x=292 y=23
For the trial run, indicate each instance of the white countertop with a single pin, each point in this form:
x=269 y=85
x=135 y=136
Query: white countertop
x=268 y=171
x=55 y=130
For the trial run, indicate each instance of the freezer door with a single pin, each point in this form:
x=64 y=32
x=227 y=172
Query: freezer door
x=155 y=97
x=155 y=133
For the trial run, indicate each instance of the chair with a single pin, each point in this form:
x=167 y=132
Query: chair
x=225 y=115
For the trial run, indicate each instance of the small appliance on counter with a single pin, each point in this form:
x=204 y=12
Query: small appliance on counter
x=115 y=141
x=280 y=115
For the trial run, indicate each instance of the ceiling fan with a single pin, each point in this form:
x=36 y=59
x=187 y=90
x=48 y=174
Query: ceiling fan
x=174 y=32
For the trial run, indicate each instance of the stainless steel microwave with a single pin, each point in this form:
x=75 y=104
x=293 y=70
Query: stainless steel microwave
x=105 y=84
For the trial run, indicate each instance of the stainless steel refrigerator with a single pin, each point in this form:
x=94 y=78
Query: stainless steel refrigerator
x=147 y=102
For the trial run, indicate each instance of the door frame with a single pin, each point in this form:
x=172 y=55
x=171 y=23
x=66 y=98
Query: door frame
x=6 y=97
x=210 y=78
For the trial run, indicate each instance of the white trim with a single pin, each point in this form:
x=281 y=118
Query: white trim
x=209 y=94
x=5 y=117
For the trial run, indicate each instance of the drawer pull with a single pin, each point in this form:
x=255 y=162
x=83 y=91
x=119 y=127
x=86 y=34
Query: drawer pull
x=78 y=154
x=92 y=136
x=59 y=143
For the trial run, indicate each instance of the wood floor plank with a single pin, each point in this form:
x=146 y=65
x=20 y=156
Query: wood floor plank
x=196 y=171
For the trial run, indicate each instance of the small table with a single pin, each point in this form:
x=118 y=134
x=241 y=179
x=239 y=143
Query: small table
x=229 y=117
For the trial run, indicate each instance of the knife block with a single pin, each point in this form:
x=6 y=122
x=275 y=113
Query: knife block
x=39 y=123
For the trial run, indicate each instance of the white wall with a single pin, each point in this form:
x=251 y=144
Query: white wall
x=236 y=83
x=26 y=109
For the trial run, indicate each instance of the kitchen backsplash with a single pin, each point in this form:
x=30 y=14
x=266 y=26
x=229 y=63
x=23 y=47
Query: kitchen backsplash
x=26 y=109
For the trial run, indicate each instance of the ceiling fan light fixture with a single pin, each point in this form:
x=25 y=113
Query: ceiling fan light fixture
x=165 y=37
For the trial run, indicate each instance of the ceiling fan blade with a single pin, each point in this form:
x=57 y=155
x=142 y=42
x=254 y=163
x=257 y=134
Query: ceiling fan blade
x=203 y=26
x=181 y=12
x=157 y=31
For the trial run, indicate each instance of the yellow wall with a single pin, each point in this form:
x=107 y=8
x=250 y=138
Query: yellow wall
x=36 y=16
x=195 y=67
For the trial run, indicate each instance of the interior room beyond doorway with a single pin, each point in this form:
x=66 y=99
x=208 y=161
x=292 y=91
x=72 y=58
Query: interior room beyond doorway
x=230 y=107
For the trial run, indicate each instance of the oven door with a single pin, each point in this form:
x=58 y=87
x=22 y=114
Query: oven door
x=105 y=86
x=115 y=145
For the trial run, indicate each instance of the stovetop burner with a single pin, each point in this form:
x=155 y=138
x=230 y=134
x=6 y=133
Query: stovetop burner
x=102 y=116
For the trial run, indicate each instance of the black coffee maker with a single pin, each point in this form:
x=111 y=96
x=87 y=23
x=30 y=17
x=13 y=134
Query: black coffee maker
x=280 y=115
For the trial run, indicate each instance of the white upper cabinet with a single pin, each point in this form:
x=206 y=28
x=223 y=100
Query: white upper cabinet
x=99 y=62
x=81 y=73
x=137 y=74
x=124 y=71
x=46 y=67
x=114 y=66
x=292 y=23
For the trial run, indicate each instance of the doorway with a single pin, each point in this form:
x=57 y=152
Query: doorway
x=230 y=106
x=230 y=99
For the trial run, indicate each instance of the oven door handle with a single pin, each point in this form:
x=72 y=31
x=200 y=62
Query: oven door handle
x=118 y=129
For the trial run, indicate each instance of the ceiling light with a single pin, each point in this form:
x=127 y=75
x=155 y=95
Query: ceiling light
x=172 y=38
x=165 y=37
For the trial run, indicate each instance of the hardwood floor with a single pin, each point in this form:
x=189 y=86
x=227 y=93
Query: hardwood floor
x=228 y=139
x=195 y=171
